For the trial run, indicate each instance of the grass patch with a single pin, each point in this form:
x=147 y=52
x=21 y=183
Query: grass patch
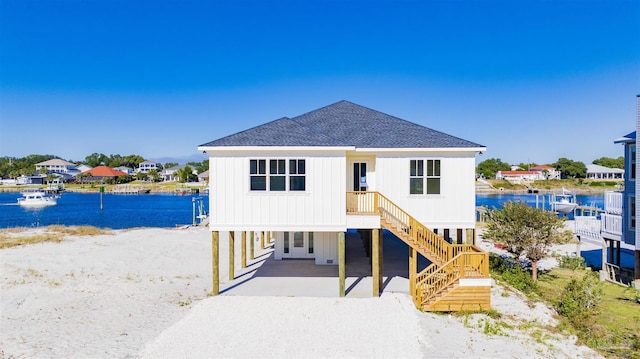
x=13 y=237
x=614 y=329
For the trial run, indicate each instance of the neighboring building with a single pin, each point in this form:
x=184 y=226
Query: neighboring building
x=58 y=166
x=204 y=176
x=101 y=173
x=597 y=172
x=147 y=166
x=84 y=168
x=518 y=176
x=310 y=178
x=169 y=174
x=124 y=169
x=546 y=172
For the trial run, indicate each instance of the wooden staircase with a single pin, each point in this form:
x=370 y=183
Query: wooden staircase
x=439 y=286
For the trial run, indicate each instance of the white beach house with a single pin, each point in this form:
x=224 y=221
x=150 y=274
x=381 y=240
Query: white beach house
x=306 y=180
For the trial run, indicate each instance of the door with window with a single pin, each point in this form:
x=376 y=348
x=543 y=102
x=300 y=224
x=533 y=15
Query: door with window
x=360 y=176
x=298 y=245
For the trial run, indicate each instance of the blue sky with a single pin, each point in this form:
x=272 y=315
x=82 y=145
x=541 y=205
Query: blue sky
x=531 y=80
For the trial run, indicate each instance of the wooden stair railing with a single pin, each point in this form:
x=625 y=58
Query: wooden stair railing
x=449 y=262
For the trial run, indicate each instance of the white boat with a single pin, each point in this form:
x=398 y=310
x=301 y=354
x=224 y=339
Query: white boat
x=564 y=203
x=36 y=198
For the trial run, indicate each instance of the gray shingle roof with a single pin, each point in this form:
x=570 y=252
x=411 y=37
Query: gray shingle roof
x=343 y=124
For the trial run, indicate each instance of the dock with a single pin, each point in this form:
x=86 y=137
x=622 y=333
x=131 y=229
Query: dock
x=129 y=189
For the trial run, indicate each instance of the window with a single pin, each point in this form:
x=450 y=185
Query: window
x=297 y=175
x=277 y=175
x=416 y=177
x=433 y=176
x=258 y=171
x=310 y=242
x=632 y=213
x=286 y=242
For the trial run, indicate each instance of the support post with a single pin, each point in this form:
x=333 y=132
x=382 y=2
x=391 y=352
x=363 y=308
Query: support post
x=232 y=235
x=375 y=261
x=215 y=261
x=341 y=264
x=469 y=234
x=262 y=234
x=252 y=253
x=381 y=258
x=244 y=249
x=413 y=273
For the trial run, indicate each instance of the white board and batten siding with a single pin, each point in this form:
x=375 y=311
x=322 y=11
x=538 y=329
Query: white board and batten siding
x=454 y=207
x=321 y=207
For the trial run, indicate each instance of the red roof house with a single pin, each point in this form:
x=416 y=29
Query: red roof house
x=101 y=172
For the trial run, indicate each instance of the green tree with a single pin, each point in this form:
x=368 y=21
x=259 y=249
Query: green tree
x=200 y=166
x=141 y=175
x=570 y=169
x=580 y=298
x=185 y=174
x=526 y=166
x=154 y=175
x=526 y=231
x=170 y=164
x=96 y=159
x=610 y=162
x=487 y=168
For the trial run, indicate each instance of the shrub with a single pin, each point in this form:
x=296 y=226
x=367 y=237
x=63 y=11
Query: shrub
x=572 y=262
x=512 y=272
x=579 y=300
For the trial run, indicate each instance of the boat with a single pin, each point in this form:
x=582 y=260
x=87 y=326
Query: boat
x=36 y=198
x=563 y=203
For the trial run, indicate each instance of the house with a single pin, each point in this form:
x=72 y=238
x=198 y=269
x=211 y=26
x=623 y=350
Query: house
x=57 y=165
x=169 y=174
x=100 y=173
x=597 y=172
x=311 y=178
x=518 y=176
x=124 y=169
x=546 y=172
x=204 y=176
x=146 y=166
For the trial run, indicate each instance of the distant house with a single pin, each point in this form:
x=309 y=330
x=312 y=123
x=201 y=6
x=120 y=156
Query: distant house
x=101 y=173
x=546 y=172
x=204 y=176
x=57 y=165
x=597 y=172
x=84 y=168
x=124 y=169
x=147 y=166
x=517 y=176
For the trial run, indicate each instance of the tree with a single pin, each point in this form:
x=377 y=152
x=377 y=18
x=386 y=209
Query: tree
x=526 y=231
x=610 y=162
x=569 y=168
x=526 y=166
x=170 y=164
x=489 y=168
x=154 y=175
x=96 y=159
x=185 y=174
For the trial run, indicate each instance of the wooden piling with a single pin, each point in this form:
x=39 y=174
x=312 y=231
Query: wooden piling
x=244 y=249
x=341 y=264
x=252 y=253
x=375 y=261
x=232 y=235
x=215 y=261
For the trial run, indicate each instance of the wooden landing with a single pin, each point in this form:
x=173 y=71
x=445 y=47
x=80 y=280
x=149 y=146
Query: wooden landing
x=461 y=298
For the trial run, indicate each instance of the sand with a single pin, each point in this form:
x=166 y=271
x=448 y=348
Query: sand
x=143 y=293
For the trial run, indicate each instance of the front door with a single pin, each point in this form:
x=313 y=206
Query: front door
x=298 y=245
x=359 y=176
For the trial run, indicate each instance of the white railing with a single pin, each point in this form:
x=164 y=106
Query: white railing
x=587 y=226
x=613 y=202
x=611 y=223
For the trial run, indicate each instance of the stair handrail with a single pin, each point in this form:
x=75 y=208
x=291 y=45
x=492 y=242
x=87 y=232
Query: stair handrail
x=434 y=279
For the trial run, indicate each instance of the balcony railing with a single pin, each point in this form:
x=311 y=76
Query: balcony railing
x=613 y=202
x=611 y=223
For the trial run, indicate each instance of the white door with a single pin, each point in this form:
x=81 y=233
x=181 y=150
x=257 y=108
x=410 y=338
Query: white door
x=298 y=245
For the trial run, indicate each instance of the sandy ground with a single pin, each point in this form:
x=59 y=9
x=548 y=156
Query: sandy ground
x=143 y=293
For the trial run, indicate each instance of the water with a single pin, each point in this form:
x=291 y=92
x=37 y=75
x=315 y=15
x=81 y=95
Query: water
x=496 y=200
x=164 y=210
x=119 y=211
